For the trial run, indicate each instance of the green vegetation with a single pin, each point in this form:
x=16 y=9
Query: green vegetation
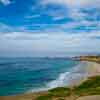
x=60 y=92
x=90 y=58
x=56 y=93
x=89 y=87
x=45 y=97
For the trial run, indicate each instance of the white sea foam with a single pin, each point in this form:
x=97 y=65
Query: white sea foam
x=66 y=79
x=59 y=81
x=79 y=72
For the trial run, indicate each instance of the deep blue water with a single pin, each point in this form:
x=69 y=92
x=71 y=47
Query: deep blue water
x=19 y=75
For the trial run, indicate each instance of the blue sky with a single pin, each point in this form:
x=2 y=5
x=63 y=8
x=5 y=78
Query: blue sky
x=49 y=27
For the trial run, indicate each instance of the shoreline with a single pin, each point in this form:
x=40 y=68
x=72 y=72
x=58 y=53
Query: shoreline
x=90 y=67
x=76 y=77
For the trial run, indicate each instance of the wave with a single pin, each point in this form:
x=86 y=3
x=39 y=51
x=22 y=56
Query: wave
x=77 y=73
x=60 y=81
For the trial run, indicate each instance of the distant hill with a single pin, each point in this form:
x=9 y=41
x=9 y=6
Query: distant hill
x=94 y=58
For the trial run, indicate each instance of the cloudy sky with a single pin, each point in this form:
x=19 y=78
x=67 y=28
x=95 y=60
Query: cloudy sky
x=49 y=27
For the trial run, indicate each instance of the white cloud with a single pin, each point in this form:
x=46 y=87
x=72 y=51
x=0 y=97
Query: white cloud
x=49 y=36
x=58 y=18
x=5 y=2
x=74 y=11
x=32 y=16
x=74 y=3
x=4 y=28
x=44 y=44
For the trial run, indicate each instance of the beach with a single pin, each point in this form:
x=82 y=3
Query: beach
x=88 y=69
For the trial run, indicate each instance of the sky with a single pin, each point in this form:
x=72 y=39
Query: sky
x=39 y=28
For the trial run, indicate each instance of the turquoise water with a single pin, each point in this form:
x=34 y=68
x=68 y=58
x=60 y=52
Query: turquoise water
x=19 y=75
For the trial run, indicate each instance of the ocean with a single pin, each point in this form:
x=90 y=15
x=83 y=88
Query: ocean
x=21 y=75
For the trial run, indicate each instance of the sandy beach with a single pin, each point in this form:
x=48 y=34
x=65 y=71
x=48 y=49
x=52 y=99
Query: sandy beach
x=91 y=68
x=95 y=97
x=84 y=70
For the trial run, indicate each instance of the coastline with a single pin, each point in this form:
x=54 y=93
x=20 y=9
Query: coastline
x=90 y=68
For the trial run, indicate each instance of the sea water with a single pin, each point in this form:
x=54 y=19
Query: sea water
x=19 y=75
